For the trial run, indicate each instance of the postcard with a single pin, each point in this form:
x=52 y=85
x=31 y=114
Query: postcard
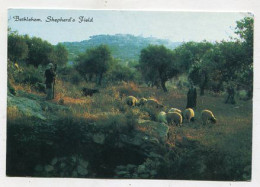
x=120 y=94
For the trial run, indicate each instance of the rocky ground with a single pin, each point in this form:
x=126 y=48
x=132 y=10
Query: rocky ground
x=131 y=155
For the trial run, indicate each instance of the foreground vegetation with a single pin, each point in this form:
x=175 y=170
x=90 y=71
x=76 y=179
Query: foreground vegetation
x=193 y=151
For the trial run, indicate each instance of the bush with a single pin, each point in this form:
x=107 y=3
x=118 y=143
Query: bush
x=30 y=75
x=127 y=89
x=69 y=74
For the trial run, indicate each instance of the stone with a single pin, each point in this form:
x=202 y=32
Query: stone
x=54 y=161
x=82 y=171
x=130 y=167
x=141 y=169
x=83 y=163
x=74 y=159
x=99 y=138
x=62 y=165
x=156 y=129
x=48 y=168
x=27 y=107
x=153 y=172
x=122 y=173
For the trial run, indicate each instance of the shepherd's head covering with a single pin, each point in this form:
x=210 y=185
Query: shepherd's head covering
x=49 y=66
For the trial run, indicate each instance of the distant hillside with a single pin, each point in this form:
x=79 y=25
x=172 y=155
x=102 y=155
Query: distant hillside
x=123 y=46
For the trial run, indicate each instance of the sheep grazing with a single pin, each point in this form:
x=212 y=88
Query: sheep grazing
x=207 y=115
x=89 y=91
x=174 y=117
x=153 y=103
x=142 y=101
x=188 y=114
x=175 y=110
x=131 y=100
x=161 y=117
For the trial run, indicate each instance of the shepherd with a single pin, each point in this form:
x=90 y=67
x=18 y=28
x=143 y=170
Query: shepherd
x=191 y=97
x=50 y=81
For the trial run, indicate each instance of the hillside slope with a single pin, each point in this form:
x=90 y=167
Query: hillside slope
x=123 y=46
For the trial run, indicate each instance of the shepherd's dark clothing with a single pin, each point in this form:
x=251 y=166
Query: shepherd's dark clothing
x=231 y=95
x=50 y=78
x=191 y=98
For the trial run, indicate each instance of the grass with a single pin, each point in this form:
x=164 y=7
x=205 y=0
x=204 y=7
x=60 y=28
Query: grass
x=231 y=136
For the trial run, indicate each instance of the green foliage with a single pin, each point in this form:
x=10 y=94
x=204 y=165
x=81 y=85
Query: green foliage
x=30 y=75
x=191 y=160
x=118 y=72
x=35 y=51
x=40 y=52
x=69 y=74
x=245 y=29
x=189 y=53
x=61 y=55
x=157 y=63
x=94 y=61
x=17 y=47
x=212 y=65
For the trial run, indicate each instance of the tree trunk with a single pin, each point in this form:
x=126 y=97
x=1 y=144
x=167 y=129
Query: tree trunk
x=100 y=79
x=163 y=86
x=204 y=83
x=90 y=77
x=86 y=78
x=202 y=90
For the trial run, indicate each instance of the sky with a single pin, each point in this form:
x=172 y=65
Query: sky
x=174 y=26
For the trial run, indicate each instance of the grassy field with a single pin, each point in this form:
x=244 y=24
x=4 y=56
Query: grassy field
x=225 y=147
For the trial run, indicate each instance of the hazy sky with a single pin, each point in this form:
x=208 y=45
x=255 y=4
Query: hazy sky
x=175 y=26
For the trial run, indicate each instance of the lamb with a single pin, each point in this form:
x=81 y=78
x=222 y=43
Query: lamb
x=175 y=110
x=89 y=91
x=174 y=117
x=161 y=117
x=131 y=100
x=188 y=114
x=207 y=115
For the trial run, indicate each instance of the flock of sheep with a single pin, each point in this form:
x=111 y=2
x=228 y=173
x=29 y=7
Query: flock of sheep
x=174 y=115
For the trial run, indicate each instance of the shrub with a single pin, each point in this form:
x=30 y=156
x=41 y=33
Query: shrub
x=30 y=75
x=129 y=89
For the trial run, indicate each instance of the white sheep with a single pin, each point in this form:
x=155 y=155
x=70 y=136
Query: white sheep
x=153 y=103
x=131 y=100
x=207 y=115
x=175 y=110
x=174 y=117
x=188 y=114
x=161 y=117
x=142 y=101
